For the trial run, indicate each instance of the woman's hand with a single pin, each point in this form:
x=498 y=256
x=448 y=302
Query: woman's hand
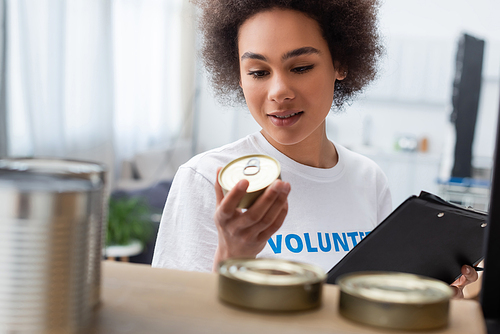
x=469 y=275
x=245 y=233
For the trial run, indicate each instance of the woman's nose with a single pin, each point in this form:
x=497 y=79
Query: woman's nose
x=280 y=89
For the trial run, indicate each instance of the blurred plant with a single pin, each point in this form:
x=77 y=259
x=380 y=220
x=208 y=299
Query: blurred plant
x=129 y=218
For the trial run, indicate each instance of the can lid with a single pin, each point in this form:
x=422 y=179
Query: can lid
x=50 y=166
x=391 y=287
x=260 y=170
x=94 y=172
x=276 y=272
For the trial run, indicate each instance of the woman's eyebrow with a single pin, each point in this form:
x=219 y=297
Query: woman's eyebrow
x=251 y=55
x=299 y=52
x=290 y=54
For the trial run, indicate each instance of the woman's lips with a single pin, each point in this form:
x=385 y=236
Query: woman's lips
x=284 y=119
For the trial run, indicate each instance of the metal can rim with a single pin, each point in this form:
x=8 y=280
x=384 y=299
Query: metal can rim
x=406 y=282
x=52 y=166
x=270 y=264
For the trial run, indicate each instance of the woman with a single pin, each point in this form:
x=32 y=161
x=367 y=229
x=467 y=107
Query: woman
x=291 y=61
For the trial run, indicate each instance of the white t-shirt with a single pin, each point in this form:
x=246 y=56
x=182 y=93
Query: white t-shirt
x=330 y=210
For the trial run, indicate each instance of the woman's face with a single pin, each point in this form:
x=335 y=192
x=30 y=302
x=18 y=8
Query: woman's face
x=287 y=75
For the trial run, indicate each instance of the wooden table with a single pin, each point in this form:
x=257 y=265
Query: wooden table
x=139 y=299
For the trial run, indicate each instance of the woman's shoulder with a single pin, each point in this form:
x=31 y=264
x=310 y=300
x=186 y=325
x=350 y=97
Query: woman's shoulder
x=368 y=173
x=356 y=160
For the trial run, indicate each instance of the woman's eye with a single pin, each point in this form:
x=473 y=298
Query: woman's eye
x=258 y=74
x=302 y=69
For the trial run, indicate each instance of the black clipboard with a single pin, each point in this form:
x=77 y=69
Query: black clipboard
x=425 y=235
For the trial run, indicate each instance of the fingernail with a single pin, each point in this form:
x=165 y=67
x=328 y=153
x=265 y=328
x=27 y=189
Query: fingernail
x=276 y=186
x=467 y=270
x=286 y=188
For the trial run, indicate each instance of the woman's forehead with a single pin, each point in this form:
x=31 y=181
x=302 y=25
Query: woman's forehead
x=279 y=31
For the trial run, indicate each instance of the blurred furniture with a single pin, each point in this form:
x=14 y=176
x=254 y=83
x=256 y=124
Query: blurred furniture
x=149 y=175
x=151 y=167
x=155 y=196
x=123 y=252
x=139 y=299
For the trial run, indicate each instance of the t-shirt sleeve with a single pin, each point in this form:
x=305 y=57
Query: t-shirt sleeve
x=187 y=236
x=384 y=199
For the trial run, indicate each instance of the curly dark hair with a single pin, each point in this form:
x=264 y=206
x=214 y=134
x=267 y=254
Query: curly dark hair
x=349 y=27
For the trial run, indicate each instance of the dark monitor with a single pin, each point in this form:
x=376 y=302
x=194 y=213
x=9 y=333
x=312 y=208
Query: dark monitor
x=465 y=100
x=490 y=292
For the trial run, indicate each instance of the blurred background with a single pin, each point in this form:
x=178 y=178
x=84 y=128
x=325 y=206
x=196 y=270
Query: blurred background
x=119 y=82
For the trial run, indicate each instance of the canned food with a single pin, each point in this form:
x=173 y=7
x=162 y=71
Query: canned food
x=51 y=226
x=260 y=170
x=95 y=174
x=394 y=300
x=270 y=284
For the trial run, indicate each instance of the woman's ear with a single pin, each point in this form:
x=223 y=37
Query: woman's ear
x=341 y=73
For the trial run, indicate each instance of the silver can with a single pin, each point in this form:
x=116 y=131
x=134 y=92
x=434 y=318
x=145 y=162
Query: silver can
x=394 y=300
x=271 y=284
x=260 y=170
x=51 y=233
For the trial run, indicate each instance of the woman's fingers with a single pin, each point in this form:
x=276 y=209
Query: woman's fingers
x=469 y=275
x=276 y=211
x=268 y=204
x=230 y=202
x=274 y=227
x=233 y=197
x=457 y=292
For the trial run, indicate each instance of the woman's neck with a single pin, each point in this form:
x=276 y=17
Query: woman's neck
x=315 y=151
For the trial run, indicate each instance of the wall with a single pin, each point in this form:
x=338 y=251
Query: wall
x=412 y=96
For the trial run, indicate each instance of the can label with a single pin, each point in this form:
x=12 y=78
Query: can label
x=260 y=170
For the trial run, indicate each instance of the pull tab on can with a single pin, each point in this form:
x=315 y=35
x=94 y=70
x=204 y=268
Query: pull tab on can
x=252 y=167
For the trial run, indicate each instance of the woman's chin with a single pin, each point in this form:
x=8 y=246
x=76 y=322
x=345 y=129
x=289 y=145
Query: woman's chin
x=282 y=139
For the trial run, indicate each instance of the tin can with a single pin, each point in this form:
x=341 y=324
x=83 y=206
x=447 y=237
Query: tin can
x=270 y=284
x=51 y=233
x=394 y=300
x=260 y=170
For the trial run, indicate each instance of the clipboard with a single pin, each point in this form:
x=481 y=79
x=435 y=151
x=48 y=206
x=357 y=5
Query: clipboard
x=425 y=235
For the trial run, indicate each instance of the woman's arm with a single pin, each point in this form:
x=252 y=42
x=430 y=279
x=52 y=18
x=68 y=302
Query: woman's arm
x=187 y=237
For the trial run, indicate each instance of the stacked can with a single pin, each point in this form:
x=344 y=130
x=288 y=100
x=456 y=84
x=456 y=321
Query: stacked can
x=51 y=229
